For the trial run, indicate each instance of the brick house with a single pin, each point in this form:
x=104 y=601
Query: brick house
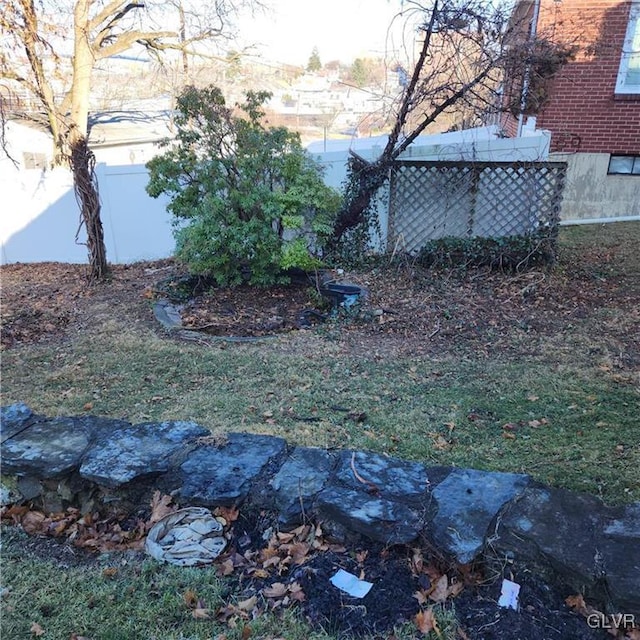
x=592 y=105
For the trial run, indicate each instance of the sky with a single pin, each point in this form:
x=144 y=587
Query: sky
x=340 y=29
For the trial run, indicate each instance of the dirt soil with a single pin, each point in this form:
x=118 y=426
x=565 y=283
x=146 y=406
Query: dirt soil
x=406 y=310
x=543 y=614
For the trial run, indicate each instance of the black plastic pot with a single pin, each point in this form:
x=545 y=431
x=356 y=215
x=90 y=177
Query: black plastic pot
x=341 y=294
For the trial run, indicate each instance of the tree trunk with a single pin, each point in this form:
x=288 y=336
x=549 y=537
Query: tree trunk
x=86 y=189
x=82 y=159
x=365 y=182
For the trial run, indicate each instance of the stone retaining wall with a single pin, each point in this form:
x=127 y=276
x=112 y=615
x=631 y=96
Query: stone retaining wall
x=468 y=515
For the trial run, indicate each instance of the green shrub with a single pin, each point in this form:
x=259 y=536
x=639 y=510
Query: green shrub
x=247 y=200
x=509 y=253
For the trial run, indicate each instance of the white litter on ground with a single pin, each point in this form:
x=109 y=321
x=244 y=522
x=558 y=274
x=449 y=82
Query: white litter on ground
x=186 y=538
x=509 y=595
x=351 y=584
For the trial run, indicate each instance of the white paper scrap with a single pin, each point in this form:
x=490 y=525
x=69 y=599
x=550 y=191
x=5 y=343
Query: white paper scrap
x=351 y=584
x=509 y=595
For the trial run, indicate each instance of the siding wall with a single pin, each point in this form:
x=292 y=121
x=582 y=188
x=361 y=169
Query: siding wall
x=583 y=112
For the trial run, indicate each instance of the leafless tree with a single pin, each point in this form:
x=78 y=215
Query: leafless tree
x=48 y=51
x=459 y=52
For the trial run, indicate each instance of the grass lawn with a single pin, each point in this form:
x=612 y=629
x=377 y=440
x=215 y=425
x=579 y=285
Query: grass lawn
x=550 y=388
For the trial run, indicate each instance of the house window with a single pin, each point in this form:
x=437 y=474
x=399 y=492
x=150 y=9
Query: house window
x=624 y=165
x=629 y=73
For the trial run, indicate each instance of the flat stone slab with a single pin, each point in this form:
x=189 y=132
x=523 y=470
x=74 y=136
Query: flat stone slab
x=14 y=418
x=372 y=516
x=167 y=314
x=136 y=450
x=47 y=449
x=393 y=477
x=619 y=543
x=302 y=476
x=223 y=476
x=588 y=544
x=468 y=501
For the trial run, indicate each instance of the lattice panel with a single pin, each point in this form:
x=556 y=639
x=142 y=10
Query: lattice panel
x=432 y=200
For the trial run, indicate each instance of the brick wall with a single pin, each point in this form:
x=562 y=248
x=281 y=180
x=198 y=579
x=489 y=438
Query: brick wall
x=582 y=110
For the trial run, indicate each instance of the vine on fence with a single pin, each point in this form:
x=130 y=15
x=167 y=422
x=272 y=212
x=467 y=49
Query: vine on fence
x=86 y=190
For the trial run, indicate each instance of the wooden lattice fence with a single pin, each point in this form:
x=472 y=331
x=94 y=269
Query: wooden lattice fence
x=433 y=200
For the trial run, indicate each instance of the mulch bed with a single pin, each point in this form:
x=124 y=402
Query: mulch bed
x=407 y=310
x=543 y=614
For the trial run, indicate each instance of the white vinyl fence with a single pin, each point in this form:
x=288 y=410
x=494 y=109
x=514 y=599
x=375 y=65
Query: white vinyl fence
x=40 y=217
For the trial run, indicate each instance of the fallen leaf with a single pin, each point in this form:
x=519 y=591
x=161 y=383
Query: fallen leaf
x=160 y=507
x=426 y=622
x=230 y=514
x=88 y=406
x=441 y=443
x=576 y=602
x=246 y=632
x=248 y=604
x=297 y=593
x=15 y=512
x=190 y=598
x=226 y=567
x=421 y=597
x=276 y=590
x=508 y=436
x=36 y=629
x=361 y=556
x=271 y=562
x=299 y=552
x=109 y=572
x=33 y=521
x=201 y=614
x=285 y=537
x=454 y=589
x=440 y=591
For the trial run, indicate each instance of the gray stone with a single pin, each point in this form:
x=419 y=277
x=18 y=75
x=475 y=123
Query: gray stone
x=374 y=517
x=29 y=487
x=9 y=492
x=14 y=418
x=223 y=476
x=593 y=548
x=167 y=314
x=300 y=478
x=136 y=450
x=46 y=449
x=468 y=501
x=619 y=544
x=393 y=477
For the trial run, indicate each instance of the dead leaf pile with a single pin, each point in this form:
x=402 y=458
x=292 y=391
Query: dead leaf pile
x=436 y=587
x=269 y=571
x=94 y=531
x=91 y=531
